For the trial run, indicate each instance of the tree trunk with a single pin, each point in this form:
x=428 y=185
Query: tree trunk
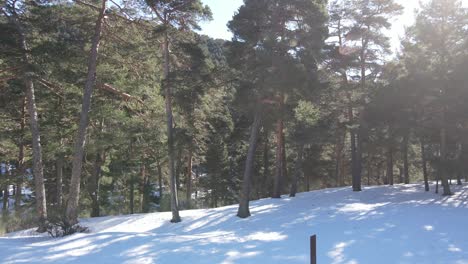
x=266 y=165
x=74 y=191
x=358 y=163
x=424 y=166
x=132 y=193
x=298 y=170
x=178 y=166
x=369 y=173
x=379 y=173
x=358 y=156
x=59 y=181
x=160 y=182
x=279 y=160
x=243 y=211
x=400 y=175
x=389 y=173
x=459 y=182
x=144 y=189
x=41 y=205
x=189 y=179
x=339 y=157
x=93 y=184
x=6 y=193
x=170 y=133
x=405 y=158
x=38 y=173
x=443 y=159
x=20 y=169
x=284 y=176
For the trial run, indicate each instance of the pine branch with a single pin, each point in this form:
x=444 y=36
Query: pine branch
x=125 y=96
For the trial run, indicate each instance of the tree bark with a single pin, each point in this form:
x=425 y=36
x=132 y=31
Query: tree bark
x=358 y=161
x=389 y=173
x=279 y=160
x=178 y=161
x=144 y=189
x=243 y=211
x=266 y=165
x=132 y=193
x=189 y=178
x=20 y=169
x=71 y=214
x=170 y=133
x=6 y=193
x=160 y=182
x=41 y=206
x=59 y=181
x=443 y=159
x=338 y=157
x=93 y=184
x=405 y=158
x=424 y=166
x=298 y=170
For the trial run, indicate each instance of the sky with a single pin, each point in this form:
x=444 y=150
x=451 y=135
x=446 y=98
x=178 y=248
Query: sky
x=223 y=10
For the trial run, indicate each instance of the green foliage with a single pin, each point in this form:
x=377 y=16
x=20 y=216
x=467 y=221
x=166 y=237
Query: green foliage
x=306 y=113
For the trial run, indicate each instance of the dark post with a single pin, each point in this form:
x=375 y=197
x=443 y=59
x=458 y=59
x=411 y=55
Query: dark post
x=313 y=249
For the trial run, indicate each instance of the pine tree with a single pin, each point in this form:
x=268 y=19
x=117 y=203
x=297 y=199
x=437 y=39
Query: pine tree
x=270 y=39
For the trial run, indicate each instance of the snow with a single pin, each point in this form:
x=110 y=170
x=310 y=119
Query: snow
x=399 y=224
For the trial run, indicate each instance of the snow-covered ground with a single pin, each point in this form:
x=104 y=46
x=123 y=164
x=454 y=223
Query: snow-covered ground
x=399 y=224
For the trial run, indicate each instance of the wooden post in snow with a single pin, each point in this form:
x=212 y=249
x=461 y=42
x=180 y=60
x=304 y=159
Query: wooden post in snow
x=313 y=249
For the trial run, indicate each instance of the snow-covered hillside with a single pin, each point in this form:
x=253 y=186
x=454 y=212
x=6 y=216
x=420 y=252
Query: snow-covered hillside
x=400 y=224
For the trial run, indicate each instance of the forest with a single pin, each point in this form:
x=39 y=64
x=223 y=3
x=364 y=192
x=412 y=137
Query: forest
x=112 y=107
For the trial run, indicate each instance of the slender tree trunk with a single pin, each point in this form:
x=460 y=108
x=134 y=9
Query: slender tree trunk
x=243 y=211
x=400 y=175
x=41 y=205
x=359 y=141
x=369 y=173
x=358 y=165
x=389 y=164
x=144 y=189
x=132 y=193
x=74 y=193
x=59 y=181
x=443 y=158
x=189 y=178
x=405 y=158
x=459 y=182
x=196 y=181
x=424 y=166
x=38 y=173
x=279 y=160
x=93 y=184
x=266 y=165
x=20 y=169
x=178 y=167
x=339 y=157
x=6 y=193
x=298 y=170
x=284 y=176
x=379 y=172
x=170 y=133
x=353 y=158
x=160 y=181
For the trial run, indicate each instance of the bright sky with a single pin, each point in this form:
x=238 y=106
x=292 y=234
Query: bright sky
x=223 y=10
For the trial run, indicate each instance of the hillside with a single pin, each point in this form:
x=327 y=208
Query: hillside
x=399 y=224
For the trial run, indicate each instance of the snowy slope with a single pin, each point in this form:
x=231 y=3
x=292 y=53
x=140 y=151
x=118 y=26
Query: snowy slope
x=400 y=224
